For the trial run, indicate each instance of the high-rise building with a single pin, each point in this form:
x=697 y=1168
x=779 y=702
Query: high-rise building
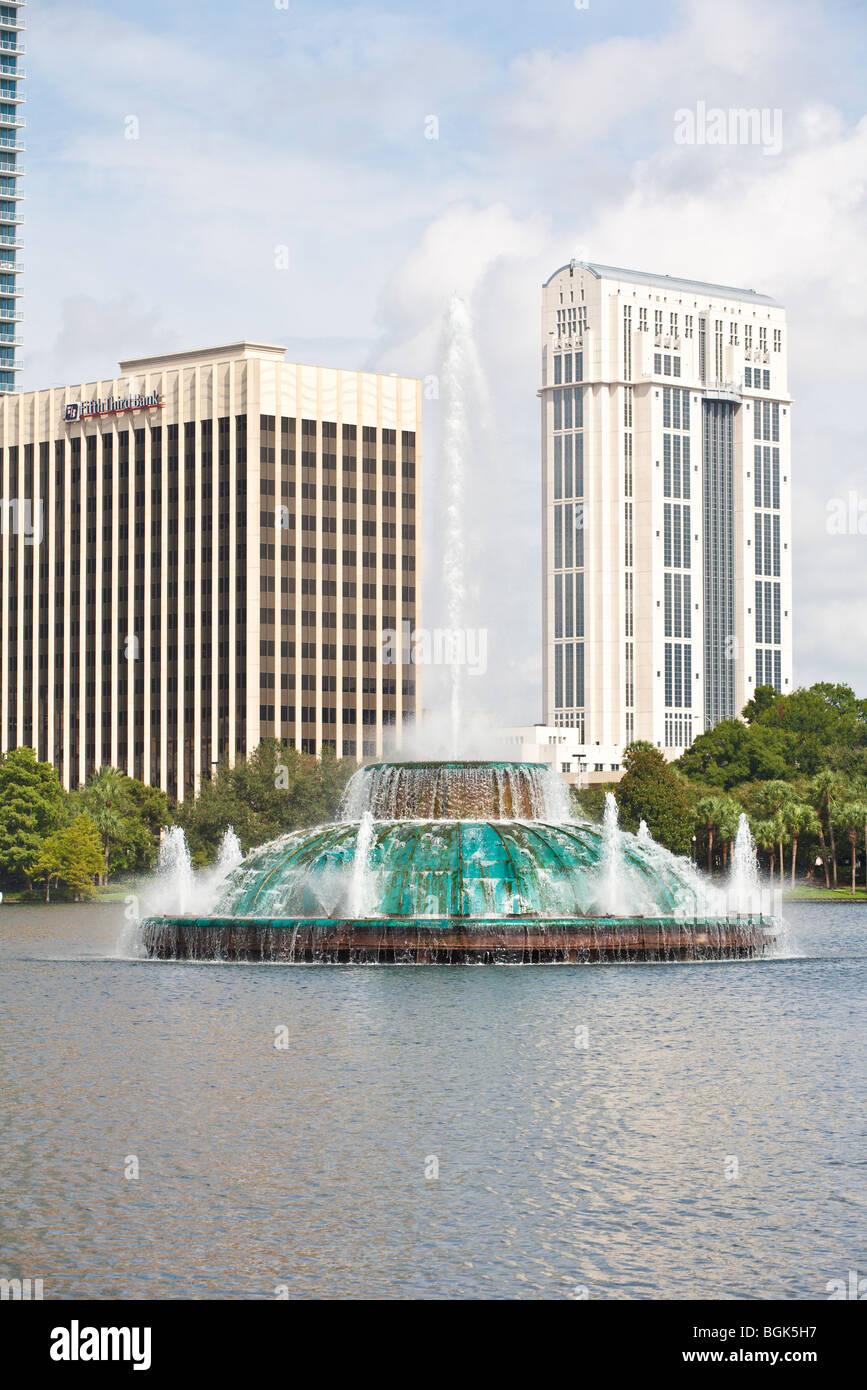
x=11 y=169
x=204 y=552
x=666 y=437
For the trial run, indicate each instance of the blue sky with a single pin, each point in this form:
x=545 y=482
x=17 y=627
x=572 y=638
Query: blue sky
x=304 y=127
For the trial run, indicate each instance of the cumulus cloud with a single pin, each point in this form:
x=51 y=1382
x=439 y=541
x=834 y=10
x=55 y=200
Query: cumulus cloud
x=307 y=129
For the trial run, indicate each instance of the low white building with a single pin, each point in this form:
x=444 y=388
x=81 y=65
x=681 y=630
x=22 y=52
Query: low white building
x=581 y=764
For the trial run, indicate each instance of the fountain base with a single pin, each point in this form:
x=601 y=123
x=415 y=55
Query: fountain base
x=455 y=941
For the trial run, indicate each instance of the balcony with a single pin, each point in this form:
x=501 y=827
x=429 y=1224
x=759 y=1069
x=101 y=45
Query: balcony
x=11 y=46
x=9 y=219
x=11 y=142
x=16 y=340
x=14 y=24
x=15 y=73
x=6 y=317
x=15 y=98
x=15 y=121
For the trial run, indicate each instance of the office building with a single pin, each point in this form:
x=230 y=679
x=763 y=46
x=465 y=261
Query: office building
x=204 y=552
x=666 y=473
x=11 y=170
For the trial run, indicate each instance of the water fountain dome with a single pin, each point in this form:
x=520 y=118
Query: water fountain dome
x=459 y=861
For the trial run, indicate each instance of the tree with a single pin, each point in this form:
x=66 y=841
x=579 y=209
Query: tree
x=32 y=805
x=715 y=818
x=275 y=789
x=826 y=795
x=73 y=856
x=732 y=752
x=651 y=790
x=129 y=816
x=799 y=819
x=771 y=803
x=768 y=833
x=103 y=797
x=850 y=817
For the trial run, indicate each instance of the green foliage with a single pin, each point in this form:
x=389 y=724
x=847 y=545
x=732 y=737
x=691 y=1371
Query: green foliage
x=733 y=752
x=651 y=790
x=129 y=817
x=32 y=805
x=72 y=857
x=715 y=820
x=276 y=789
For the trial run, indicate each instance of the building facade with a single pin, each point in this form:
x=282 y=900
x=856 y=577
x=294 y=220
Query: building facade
x=11 y=169
x=204 y=552
x=666 y=475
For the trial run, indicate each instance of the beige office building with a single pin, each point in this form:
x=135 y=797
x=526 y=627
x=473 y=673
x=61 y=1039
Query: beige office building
x=666 y=476
x=204 y=552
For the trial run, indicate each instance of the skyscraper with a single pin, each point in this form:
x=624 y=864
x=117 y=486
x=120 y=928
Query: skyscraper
x=667 y=505
x=11 y=169
x=203 y=552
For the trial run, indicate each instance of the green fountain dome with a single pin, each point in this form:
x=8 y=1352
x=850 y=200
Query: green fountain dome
x=445 y=861
x=449 y=869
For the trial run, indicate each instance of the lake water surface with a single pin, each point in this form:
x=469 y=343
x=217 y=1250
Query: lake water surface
x=707 y=1142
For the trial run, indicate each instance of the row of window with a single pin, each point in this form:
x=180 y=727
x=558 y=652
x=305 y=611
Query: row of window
x=766 y=420
x=767 y=612
x=569 y=408
x=767 y=544
x=766 y=479
x=676 y=465
x=568 y=466
x=678 y=675
x=675 y=408
x=665 y=365
x=677 y=541
x=569 y=675
x=569 y=605
x=678 y=605
x=569 y=536
x=769 y=668
x=563 y=367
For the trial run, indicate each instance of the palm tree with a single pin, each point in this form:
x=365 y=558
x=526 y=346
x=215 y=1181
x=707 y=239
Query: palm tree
x=717 y=818
x=103 y=797
x=850 y=817
x=800 y=819
x=825 y=795
x=768 y=833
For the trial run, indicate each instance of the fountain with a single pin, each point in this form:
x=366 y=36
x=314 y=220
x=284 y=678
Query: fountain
x=458 y=862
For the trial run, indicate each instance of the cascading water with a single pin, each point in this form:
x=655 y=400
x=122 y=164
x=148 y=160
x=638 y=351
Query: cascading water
x=361 y=884
x=447 y=862
x=744 y=885
x=210 y=881
x=174 y=881
x=455 y=375
x=612 y=867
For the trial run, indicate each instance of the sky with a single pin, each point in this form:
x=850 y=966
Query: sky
x=281 y=184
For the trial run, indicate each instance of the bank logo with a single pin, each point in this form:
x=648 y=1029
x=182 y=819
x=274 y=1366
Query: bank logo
x=72 y=412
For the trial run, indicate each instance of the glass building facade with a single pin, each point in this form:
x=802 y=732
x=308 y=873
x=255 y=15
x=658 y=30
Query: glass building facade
x=11 y=170
x=207 y=552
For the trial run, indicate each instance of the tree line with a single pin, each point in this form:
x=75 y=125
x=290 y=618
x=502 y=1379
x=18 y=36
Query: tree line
x=62 y=843
x=796 y=766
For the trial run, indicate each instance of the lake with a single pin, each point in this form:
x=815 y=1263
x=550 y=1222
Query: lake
x=610 y=1131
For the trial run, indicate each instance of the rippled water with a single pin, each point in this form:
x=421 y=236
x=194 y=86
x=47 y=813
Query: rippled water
x=559 y=1166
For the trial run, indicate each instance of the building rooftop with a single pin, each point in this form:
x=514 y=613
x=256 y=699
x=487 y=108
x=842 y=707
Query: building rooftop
x=643 y=277
x=179 y=359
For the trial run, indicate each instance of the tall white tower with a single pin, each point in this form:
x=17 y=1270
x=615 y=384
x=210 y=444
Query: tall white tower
x=666 y=484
